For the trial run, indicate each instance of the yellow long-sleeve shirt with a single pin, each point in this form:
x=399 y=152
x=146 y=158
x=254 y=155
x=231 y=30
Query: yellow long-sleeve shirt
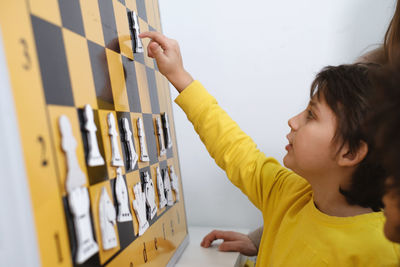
x=295 y=232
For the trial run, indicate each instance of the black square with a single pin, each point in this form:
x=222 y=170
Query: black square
x=139 y=57
x=96 y=174
x=101 y=76
x=71 y=15
x=141 y=8
x=120 y=116
x=53 y=63
x=148 y=123
x=108 y=24
x=153 y=92
x=132 y=88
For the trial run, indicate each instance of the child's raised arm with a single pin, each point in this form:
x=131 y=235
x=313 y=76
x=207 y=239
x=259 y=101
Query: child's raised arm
x=234 y=151
x=169 y=60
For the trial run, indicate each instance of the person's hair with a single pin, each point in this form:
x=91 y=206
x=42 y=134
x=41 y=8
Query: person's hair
x=347 y=89
x=384 y=124
x=392 y=37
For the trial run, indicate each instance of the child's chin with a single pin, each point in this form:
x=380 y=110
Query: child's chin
x=392 y=232
x=286 y=161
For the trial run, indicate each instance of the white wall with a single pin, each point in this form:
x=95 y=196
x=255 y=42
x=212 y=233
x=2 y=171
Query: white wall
x=258 y=59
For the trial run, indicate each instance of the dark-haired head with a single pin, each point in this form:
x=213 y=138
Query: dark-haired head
x=347 y=91
x=383 y=129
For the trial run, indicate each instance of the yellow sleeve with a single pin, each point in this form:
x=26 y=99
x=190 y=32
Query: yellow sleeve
x=234 y=151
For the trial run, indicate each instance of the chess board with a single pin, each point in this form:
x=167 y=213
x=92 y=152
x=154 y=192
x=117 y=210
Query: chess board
x=63 y=55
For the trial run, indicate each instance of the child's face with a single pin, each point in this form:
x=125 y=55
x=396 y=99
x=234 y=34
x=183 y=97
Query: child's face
x=391 y=199
x=310 y=151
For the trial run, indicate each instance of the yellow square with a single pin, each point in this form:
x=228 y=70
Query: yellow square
x=117 y=79
x=95 y=193
x=47 y=10
x=124 y=34
x=131 y=5
x=55 y=112
x=144 y=28
x=111 y=170
x=80 y=69
x=143 y=87
x=92 y=21
x=163 y=96
x=132 y=178
x=156 y=23
x=150 y=12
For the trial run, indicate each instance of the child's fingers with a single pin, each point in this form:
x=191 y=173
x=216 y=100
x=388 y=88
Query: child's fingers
x=231 y=246
x=161 y=39
x=154 y=50
x=217 y=234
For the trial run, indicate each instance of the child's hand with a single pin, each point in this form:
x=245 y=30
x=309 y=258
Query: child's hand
x=169 y=60
x=233 y=241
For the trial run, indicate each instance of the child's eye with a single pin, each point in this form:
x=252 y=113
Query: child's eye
x=310 y=115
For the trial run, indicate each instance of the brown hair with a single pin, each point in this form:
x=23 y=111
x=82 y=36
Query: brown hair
x=347 y=90
x=384 y=124
x=392 y=36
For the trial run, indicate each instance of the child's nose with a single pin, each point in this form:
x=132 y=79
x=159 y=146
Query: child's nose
x=292 y=122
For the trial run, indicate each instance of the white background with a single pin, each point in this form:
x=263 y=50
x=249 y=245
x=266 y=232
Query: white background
x=258 y=58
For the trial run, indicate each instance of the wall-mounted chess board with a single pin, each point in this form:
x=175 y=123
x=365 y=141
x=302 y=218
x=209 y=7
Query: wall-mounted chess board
x=96 y=127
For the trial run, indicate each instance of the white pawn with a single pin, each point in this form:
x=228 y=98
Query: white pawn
x=174 y=182
x=132 y=156
x=107 y=221
x=160 y=189
x=78 y=200
x=121 y=192
x=139 y=205
x=144 y=155
x=75 y=176
x=94 y=156
x=116 y=159
x=167 y=188
x=150 y=195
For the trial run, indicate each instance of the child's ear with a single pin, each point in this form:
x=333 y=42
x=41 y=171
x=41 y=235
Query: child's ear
x=349 y=159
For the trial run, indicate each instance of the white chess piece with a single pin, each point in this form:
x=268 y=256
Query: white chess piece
x=160 y=136
x=94 y=157
x=75 y=176
x=79 y=204
x=144 y=155
x=139 y=205
x=107 y=218
x=116 y=159
x=132 y=156
x=135 y=30
x=150 y=194
x=121 y=192
x=160 y=189
x=174 y=182
x=167 y=188
x=167 y=132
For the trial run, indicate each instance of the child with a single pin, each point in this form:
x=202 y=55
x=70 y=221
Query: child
x=331 y=217
x=384 y=128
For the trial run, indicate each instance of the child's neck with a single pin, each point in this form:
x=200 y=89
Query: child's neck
x=330 y=201
x=338 y=206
